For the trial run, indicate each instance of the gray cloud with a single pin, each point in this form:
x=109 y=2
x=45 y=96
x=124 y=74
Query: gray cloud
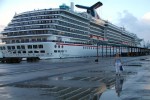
x=141 y=27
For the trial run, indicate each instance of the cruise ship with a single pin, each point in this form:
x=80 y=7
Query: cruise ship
x=62 y=33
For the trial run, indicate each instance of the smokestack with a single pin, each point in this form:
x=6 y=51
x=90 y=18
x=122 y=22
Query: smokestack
x=72 y=6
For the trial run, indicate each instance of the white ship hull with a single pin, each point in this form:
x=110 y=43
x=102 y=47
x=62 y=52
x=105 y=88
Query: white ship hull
x=57 y=50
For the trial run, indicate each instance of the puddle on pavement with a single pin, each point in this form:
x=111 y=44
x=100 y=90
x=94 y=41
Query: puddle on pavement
x=109 y=95
x=145 y=59
x=60 y=78
x=111 y=87
x=75 y=93
x=114 y=93
x=134 y=64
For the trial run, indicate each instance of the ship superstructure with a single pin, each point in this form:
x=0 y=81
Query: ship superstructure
x=61 y=33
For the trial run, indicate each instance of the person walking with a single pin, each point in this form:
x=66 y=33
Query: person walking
x=118 y=64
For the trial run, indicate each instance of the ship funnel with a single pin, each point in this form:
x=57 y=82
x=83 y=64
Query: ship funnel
x=91 y=10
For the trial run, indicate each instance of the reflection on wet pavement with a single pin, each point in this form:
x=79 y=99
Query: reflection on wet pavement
x=72 y=88
x=62 y=92
x=97 y=82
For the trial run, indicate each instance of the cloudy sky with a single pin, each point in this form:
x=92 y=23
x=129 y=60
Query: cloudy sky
x=134 y=15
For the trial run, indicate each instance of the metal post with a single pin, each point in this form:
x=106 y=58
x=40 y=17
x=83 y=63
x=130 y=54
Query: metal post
x=121 y=50
x=131 y=51
x=102 y=50
x=113 y=50
x=106 y=50
x=97 y=51
x=138 y=51
x=97 y=54
x=110 y=50
x=128 y=51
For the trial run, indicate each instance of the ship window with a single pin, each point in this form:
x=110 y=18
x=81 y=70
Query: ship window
x=62 y=46
x=36 y=51
x=42 y=51
x=55 y=46
x=13 y=41
x=18 y=47
x=3 y=48
x=19 y=51
x=44 y=39
x=55 y=51
x=58 y=46
x=58 y=50
x=22 y=40
x=29 y=46
x=38 y=39
x=24 y=51
x=13 y=47
x=40 y=46
x=35 y=46
x=9 y=48
x=62 y=50
x=22 y=47
x=26 y=40
x=30 y=52
x=14 y=52
x=33 y=40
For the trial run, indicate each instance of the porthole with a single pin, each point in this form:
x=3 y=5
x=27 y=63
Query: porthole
x=55 y=51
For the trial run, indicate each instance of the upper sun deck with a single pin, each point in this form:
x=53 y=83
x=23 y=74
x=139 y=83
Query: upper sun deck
x=48 y=11
x=36 y=17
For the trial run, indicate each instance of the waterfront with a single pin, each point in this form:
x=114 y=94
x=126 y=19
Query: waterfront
x=75 y=78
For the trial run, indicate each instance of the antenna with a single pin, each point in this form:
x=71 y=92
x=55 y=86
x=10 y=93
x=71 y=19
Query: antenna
x=72 y=6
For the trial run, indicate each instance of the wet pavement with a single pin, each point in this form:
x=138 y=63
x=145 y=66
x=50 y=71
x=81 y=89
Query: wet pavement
x=76 y=79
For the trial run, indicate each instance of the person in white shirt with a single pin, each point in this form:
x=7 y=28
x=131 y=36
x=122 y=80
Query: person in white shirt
x=118 y=63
